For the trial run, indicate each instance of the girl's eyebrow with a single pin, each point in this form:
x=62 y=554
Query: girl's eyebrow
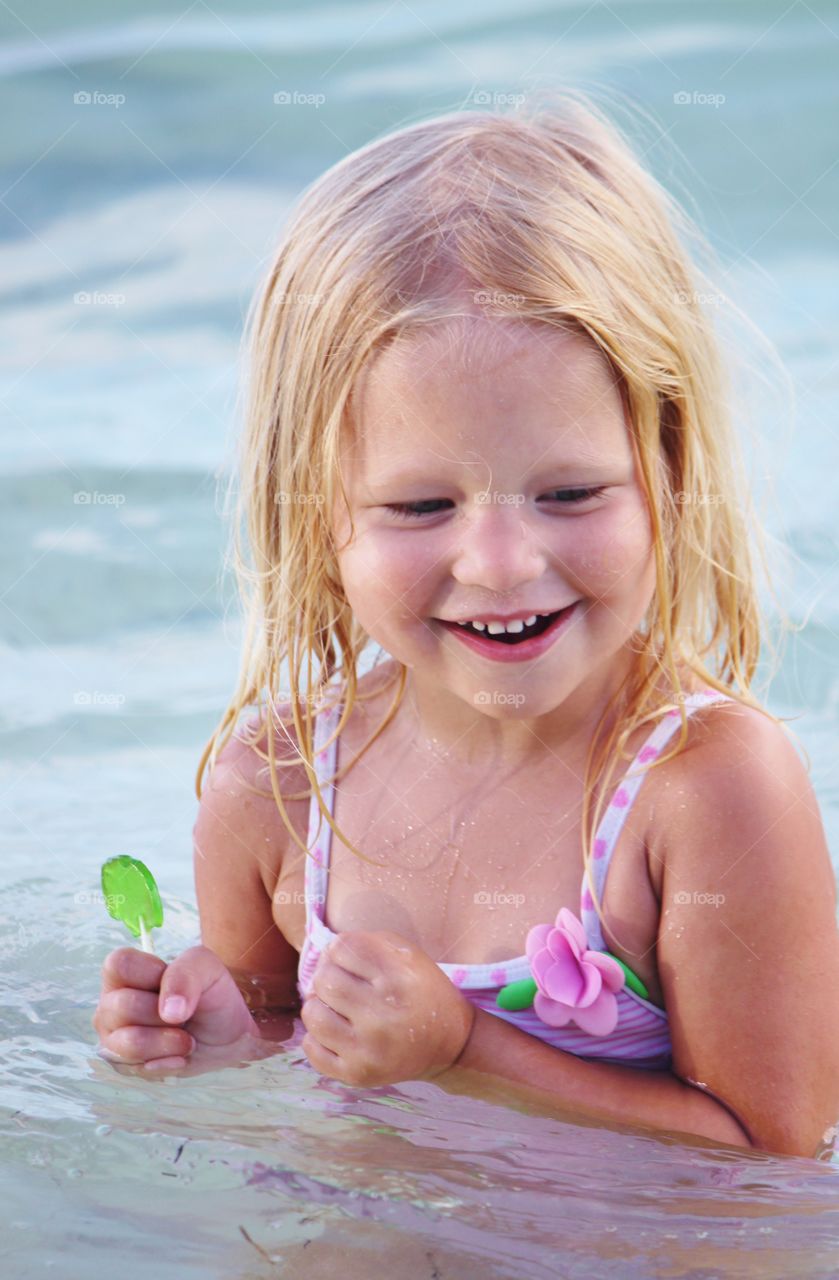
x=580 y=468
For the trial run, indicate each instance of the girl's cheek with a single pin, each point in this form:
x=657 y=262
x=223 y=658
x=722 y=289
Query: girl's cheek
x=385 y=582
x=396 y=563
x=613 y=557
x=618 y=563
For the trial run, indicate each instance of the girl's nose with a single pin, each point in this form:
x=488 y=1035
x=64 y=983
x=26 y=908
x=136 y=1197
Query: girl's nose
x=499 y=549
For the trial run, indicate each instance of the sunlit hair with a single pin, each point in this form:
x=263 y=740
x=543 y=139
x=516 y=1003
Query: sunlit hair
x=546 y=216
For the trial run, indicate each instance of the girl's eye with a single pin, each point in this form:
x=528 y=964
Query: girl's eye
x=408 y=509
x=580 y=495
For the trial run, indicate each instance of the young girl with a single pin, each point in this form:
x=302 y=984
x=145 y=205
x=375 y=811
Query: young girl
x=552 y=836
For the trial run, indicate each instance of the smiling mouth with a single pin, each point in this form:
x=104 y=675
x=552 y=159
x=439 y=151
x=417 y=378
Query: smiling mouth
x=511 y=638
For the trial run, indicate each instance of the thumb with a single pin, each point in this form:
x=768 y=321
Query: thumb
x=184 y=982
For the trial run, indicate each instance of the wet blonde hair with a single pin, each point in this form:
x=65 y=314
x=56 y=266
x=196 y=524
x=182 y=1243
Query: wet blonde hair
x=552 y=220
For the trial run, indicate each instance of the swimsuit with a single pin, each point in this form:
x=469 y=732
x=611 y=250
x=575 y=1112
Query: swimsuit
x=641 y=1037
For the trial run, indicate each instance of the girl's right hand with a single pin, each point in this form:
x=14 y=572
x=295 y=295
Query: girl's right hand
x=135 y=1028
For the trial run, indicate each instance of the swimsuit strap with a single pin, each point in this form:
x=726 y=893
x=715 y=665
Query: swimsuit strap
x=319 y=837
x=613 y=819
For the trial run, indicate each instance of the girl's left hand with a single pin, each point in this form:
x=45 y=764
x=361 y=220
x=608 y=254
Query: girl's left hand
x=380 y=1010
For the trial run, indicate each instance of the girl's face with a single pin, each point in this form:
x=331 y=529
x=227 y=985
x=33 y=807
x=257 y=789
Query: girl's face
x=490 y=472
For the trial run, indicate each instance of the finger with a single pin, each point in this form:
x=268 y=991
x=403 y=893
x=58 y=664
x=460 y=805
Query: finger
x=332 y=1029
x=358 y=952
x=321 y=1058
x=127 y=1007
x=136 y=1045
x=339 y=989
x=190 y=979
x=165 y=1064
x=127 y=967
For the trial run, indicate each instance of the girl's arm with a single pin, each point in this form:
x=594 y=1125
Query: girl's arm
x=560 y=1080
x=748 y=947
x=239 y=841
x=748 y=953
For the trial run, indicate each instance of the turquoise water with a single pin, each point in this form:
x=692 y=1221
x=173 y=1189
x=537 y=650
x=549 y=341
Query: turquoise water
x=119 y=636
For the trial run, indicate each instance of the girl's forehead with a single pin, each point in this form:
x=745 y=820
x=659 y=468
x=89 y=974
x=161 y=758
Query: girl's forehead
x=484 y=367
x=478 y=346
x=482 y=389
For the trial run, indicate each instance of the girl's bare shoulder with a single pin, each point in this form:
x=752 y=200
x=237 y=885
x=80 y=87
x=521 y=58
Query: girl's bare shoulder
x=724 y=741
x=726 y=734
x=245 y=766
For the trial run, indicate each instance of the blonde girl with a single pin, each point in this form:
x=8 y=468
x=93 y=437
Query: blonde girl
x=488 y=429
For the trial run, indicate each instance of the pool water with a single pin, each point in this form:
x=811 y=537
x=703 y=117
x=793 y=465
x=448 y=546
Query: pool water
x=119 y=635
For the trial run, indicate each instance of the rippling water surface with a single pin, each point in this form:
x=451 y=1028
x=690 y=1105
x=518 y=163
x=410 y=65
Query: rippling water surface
x=118 y=635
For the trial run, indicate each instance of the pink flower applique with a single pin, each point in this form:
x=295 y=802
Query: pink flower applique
x=573 y=983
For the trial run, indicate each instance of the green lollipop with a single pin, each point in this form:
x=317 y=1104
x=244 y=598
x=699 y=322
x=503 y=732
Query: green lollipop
x=131 y=896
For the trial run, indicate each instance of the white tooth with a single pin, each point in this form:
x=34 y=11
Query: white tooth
x=463 y=624
x=516 y=626
x=479 y=626
x=495 y=628
x=528 y=622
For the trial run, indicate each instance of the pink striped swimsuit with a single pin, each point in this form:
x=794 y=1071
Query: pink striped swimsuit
x=641 y=1037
